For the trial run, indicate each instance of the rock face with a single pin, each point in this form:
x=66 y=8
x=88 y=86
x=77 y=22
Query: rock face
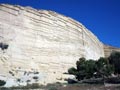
x=42 y=44
x=109 y=49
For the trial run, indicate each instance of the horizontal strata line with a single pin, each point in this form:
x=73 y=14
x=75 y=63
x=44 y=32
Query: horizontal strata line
x=87 y=34
x=8 y=7
x=46 y=23
x=52 y=31
x=62 y=20
x=84 y=41
x=69 y=19
x=9 y=12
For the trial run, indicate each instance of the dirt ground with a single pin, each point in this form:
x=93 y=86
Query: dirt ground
x=66 y=87
x=88 y=87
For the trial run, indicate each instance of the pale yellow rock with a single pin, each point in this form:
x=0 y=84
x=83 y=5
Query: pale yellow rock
x=109 y=49
x=43 y=41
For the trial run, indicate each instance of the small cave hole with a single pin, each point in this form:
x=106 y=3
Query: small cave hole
x=18 y=80
x=35 y=77
x=3 y=46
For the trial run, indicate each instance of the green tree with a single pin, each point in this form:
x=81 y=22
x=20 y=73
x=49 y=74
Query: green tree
x=90 y=68
x=81 y=67
x=114 y=60
x=86 y=69
x=72 y=71
x=103 y=68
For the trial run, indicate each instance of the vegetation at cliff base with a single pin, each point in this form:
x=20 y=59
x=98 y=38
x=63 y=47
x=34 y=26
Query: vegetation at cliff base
x=101 y=68
x=2 y=83
x=114 y=60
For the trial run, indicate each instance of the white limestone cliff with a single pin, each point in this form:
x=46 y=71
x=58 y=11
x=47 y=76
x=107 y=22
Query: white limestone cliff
x=43 y=44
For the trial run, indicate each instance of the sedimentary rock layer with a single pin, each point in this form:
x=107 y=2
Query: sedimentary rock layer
x=109 y=49
x=43 y=41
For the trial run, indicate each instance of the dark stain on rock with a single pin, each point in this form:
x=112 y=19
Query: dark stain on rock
x=4 y=46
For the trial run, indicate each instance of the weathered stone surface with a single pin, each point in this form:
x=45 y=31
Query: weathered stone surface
x=42 y=41
x=109 y=49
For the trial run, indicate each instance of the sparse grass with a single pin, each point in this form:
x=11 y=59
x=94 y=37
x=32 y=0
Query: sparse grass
x=58 y=86
x=34 y=86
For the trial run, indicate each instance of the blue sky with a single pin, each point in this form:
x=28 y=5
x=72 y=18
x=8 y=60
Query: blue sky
x=102 y=17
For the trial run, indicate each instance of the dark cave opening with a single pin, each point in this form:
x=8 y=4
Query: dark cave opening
x=3 y=46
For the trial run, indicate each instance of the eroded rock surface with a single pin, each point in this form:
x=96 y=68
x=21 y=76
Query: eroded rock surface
x=109 y=49
x=42 y=41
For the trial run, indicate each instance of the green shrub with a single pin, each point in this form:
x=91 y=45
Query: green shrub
x=2 y=83
x=114 y=59
x=86 y=69
x=72 y=71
